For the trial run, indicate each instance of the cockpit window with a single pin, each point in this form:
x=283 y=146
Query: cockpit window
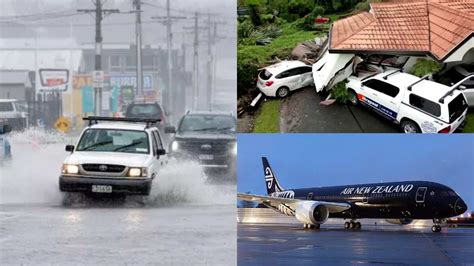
x=452 y=193
x=444 y=194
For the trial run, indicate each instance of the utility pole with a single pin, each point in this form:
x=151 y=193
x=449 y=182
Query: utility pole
x=170 y=66
x=169 y=40
x=195 y=62
x=99 y=11
x=138 y=35
x=209 y=63
x=214 y=65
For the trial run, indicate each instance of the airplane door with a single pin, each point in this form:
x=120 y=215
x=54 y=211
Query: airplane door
x=420 y=194
x=365 y=198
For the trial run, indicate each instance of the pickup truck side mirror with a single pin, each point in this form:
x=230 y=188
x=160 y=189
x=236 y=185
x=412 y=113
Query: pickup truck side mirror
x=161 y=152
x=170 y=130
x=70 y=148
x=6 y=129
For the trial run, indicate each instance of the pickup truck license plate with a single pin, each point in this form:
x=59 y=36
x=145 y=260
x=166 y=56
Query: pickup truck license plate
x=101 y=189
x=206 y=157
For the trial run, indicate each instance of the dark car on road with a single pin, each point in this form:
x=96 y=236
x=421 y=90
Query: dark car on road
x=209 y=138
x=147 y=111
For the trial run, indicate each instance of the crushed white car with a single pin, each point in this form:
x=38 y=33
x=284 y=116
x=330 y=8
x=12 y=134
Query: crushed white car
x=417 y=104
x=114 y=155
x=279 y=79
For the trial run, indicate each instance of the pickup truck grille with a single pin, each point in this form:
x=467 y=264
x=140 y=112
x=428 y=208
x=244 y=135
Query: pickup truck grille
x=103 y=168
x=206 y=147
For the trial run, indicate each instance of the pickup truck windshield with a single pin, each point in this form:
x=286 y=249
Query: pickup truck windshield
x=6 y=107
x=208 y=123
x=114 y=140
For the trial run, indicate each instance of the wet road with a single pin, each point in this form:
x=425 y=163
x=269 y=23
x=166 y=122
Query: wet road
x=302 y=112
x=332 y=245
x=184 y=220
x=117 y=235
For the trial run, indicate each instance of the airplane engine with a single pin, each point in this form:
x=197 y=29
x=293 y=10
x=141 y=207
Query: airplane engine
x=402 y=221
x=311 y=213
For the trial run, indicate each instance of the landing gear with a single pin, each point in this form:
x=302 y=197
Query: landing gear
x=357 y=225
x=436 y=228
x=311 y=226
x=352 y=225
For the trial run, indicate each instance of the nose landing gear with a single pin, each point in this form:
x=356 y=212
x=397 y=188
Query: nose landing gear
x=312 y=226
x=352 y=225
x=436 y=228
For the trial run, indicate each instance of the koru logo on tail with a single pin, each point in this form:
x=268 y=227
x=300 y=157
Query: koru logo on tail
x=269 y=177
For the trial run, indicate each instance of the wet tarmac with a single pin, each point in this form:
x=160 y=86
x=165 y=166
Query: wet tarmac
x=291 y=244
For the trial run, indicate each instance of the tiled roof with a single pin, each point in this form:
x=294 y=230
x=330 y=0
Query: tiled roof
x=433 y=26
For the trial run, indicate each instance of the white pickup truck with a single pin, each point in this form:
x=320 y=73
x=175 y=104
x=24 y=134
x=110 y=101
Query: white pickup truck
x=417 y=104
x=114 y=155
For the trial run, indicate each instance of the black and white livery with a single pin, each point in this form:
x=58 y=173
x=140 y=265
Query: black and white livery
x=397 y=202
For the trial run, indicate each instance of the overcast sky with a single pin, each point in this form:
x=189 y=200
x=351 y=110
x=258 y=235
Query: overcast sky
x=59 y=19
x=310 y=160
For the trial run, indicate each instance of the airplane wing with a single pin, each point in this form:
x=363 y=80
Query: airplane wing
x=333 y=207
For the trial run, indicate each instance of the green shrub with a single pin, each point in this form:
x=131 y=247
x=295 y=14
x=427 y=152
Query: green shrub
x=307 y=22
x=245 y=29
x=267 y=18
x=365 y=5
x=425 y=67
x=262 y=36
x=340 y=93
x=300 y=7
x=246 y=75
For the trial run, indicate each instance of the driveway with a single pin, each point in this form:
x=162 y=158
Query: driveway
x=302 y=112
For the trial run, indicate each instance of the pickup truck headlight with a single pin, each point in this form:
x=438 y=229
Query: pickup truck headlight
x=137 y=172
x=70 y=169
x=174 y=146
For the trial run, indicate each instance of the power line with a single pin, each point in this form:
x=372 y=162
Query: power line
x=189 y=12
x=36 y=14
x=49 y=17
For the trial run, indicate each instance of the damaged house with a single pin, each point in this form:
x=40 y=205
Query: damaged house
x=397 y=34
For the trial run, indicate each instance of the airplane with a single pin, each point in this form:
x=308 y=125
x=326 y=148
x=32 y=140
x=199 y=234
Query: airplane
x=397 y=202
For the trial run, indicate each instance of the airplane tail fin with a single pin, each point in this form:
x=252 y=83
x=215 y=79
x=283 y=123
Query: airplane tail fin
x=270 y=178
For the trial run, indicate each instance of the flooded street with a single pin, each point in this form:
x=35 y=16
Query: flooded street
x=35 y=225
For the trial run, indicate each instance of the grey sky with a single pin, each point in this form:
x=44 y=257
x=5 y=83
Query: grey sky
x=57 y=19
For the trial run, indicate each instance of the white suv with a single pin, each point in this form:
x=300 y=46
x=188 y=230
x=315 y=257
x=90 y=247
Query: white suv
x=10 y=114
x=279 y=79
x=117 y=155
x=417 y=104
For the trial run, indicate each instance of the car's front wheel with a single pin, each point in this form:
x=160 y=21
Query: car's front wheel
x=283 y=92
x=409 y=126
x=353 y=97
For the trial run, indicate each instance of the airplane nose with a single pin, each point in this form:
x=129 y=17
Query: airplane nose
x=460 y=207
